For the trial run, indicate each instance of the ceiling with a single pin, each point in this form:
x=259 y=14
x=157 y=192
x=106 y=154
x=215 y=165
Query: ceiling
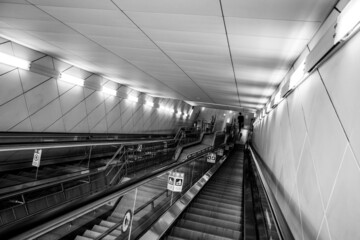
x=228 y=53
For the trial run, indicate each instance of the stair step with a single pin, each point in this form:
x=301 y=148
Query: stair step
x=220 y=200
x=214 y=230
x=102 y=229
x=203 y=200
x=223 y=195
x=213 y=221
x=174 y=238
x=82 y=238
x=216 y=208
x=191 y=234
x=107 y=224
x=213 y=214
x=114 y=219
x=92 y=235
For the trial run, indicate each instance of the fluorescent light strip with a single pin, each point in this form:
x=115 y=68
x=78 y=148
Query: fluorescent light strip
x=71 y=79
x=14 y=61
x=132 y=99
x=149 y=104
x=348 y=21
x=109 y=91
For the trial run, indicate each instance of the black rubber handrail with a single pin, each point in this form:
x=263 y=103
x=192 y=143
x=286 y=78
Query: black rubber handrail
x=280 y=222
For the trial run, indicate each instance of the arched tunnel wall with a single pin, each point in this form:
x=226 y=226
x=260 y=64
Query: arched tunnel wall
x=32 y=102
x=311 y=146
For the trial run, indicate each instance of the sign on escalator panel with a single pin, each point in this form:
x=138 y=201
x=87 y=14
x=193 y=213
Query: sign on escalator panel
x=175 y=181
x=37 y=158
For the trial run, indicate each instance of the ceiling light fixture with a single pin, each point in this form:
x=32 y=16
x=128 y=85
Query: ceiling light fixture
x=71 y=79
x=109 y=91
x=297 y=77
x=14 y=61
x=149 y=104
x=132 y=98
x=348 y=22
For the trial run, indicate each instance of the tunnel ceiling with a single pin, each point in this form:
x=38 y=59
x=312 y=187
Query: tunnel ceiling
x=210 y=52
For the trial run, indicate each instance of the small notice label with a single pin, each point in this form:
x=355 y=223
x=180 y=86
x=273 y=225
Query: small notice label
x=139 y=148
x=37 y=158
x=211 y=158
x=175 y=181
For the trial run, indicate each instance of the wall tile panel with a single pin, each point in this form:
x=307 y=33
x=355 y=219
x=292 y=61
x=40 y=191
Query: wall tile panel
x=10 y=86
x=343 y=212
x=42 y=95
x=13 y=113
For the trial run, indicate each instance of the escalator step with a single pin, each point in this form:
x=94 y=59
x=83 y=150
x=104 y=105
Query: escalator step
x=210 y=229
x=212 y=214
x=102 y=229
x=114 y=219
x=107 y=224
x=222 y=195
x=174 y=238
x=218 y=203
x=216 y=208
x=229 y=203
x=213 y=221
x=93 y=235
x=82 y=238
x=191 y=234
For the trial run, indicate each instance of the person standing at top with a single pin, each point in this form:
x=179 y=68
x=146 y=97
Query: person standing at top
x=240 y=121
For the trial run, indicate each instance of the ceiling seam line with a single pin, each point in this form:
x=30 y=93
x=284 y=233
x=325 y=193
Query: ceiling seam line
x=231 y=58
x=162 y=50
x=109 y=51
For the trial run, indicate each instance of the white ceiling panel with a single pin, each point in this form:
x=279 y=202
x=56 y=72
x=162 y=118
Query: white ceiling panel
x=177 y=49
x=192 y=38
x=91 y=4
x=22 y=11
x=89 y=16
x=271 y=28
x=178 y=22
x=189 y=7
x=301 y=10
x=267 y=43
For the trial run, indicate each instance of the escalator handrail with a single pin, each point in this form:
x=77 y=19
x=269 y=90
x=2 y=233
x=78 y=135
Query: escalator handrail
x=41 y=223
x=51 y=182
x=52 y=145
x=281 y=226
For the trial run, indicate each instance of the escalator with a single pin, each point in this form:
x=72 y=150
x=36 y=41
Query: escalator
x=102 y=215
x=217 y=211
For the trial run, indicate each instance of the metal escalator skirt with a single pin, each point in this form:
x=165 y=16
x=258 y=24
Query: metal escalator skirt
x=160 y=227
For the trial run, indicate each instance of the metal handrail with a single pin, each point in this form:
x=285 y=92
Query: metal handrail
x=78 y=208
x=280 y=223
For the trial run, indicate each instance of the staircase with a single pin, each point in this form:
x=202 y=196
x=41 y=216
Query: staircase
x=143 y=212
x=217 y=211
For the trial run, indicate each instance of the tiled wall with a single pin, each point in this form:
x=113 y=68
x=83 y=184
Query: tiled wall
x=311 y=144
x=36 y=103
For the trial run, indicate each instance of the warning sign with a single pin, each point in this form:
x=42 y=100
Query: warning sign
x=211 y=158
x=175 y=181
x=37 y=158
x=220 y=152
x=139 y=148
x=126 y=221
